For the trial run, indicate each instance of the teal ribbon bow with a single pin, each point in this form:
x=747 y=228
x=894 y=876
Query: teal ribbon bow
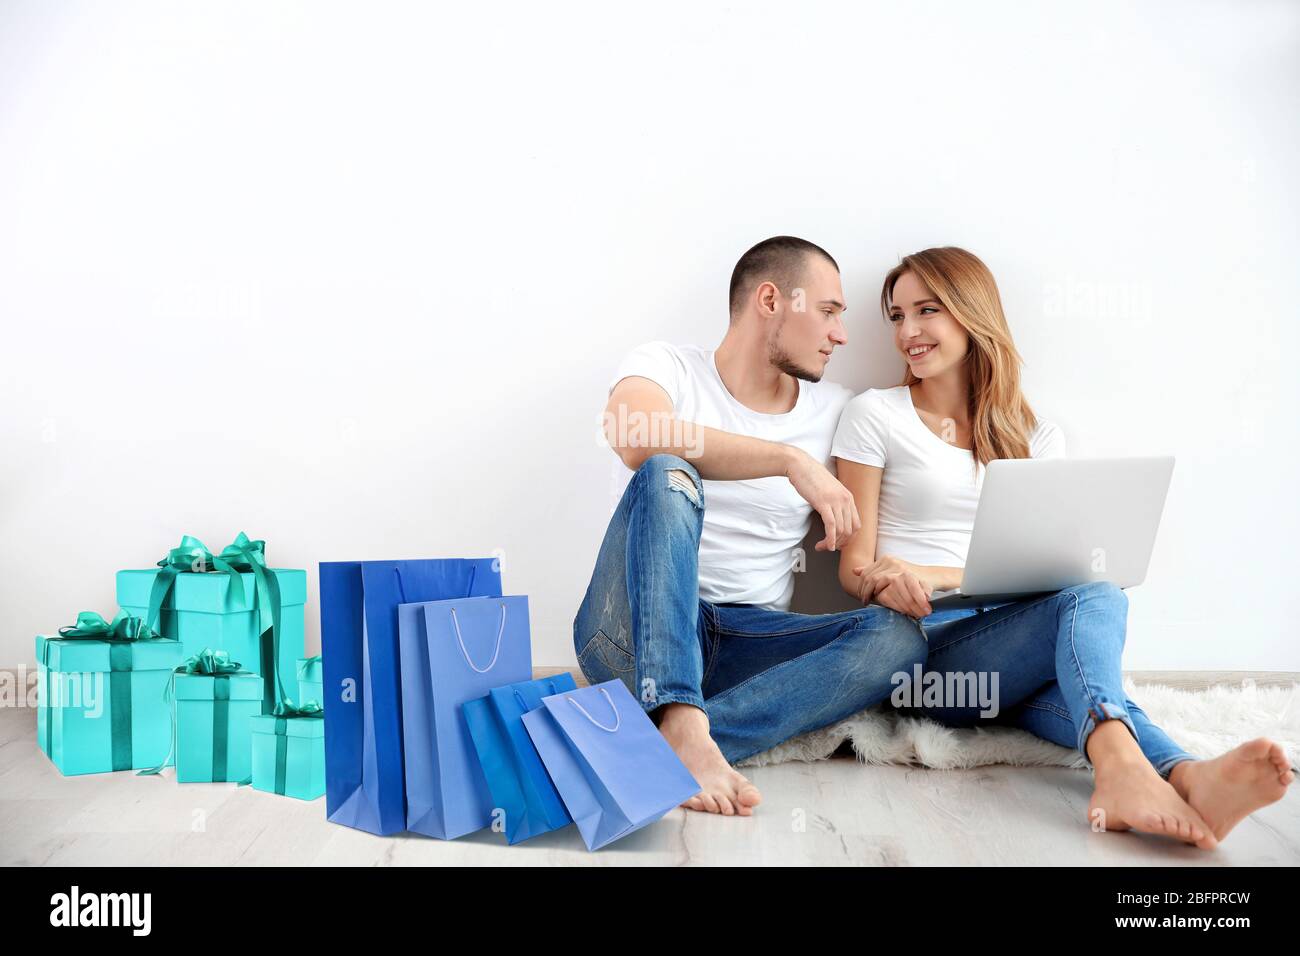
x=124 y=627
x=241 y=556
x=124 y=631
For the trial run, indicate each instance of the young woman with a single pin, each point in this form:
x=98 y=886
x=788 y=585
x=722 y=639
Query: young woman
x=914 y=458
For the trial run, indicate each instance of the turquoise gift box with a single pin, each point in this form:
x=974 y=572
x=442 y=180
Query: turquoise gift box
x=214 y=741
x=201 y=613
x=311 y=679
x=289 y=755
x=102 y=705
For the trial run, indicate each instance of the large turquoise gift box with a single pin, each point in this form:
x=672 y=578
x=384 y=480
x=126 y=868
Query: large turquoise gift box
x=102 y=695
x=214 y=700
x=289 y=752
x=230 y=602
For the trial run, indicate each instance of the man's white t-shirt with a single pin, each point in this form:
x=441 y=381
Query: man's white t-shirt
x=753 y=526
x=930 y=488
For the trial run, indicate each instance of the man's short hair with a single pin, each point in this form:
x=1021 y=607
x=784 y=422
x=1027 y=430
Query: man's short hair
x=780 y=260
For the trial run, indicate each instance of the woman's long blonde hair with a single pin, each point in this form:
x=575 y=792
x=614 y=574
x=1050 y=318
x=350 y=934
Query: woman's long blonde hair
x=1001 y=419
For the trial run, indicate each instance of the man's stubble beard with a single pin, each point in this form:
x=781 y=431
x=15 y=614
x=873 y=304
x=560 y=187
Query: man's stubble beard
x=778 y=357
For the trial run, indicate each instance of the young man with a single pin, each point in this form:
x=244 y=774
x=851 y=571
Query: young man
x=688 y=601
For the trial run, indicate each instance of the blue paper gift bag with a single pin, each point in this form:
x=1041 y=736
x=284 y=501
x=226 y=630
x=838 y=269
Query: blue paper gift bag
x=453 y=652
x=516 y=777
x=611 y=765
x=364 y=774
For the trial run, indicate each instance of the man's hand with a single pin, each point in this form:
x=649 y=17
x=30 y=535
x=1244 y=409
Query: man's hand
x=830 y=499
x=898 y=584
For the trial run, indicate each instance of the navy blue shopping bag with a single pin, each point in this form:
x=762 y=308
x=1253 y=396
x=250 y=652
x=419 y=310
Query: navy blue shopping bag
x=364 y=771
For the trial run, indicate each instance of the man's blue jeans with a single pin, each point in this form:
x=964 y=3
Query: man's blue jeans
x=1057 y=658
x=761 y=676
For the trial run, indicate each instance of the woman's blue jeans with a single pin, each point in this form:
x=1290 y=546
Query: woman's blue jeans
x=1057 y=658
x=761 y=676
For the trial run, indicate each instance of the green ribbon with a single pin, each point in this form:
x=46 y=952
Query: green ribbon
x=124 y=627
x=120 y=634
x=241 y=556
x=304 y=665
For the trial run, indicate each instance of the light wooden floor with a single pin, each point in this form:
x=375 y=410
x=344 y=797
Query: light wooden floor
x=834 y=812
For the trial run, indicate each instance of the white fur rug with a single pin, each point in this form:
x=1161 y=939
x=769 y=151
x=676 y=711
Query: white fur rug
x=1205 y=723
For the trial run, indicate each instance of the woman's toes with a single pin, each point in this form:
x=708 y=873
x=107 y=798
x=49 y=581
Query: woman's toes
x=710 y=803
x=725 y=805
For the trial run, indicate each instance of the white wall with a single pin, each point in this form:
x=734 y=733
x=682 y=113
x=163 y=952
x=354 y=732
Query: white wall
x=352 y=277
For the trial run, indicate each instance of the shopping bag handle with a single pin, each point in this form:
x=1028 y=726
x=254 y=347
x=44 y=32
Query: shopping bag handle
x=455 y=622
x=618 y=718
x=524 y=704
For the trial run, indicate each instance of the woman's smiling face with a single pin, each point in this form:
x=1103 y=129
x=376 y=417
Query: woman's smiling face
x=925 y=333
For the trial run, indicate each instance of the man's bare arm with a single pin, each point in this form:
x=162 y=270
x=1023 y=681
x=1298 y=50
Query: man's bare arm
x=639 y=422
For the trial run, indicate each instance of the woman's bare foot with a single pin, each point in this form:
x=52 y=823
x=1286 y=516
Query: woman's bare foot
x=686 y=729
x=1129 y=794
x=1225 y=790
x=1134 y=796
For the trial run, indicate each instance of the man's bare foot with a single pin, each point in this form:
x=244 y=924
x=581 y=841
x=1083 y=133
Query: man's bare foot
x=1129 y=794
x=1225 y=790
x=686 y=729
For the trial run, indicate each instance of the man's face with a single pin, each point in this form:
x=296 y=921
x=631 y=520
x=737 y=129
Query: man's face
x=808 y=324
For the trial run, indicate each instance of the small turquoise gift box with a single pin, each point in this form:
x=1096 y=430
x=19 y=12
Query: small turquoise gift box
x=311 y=679
x=214 y=701
x=289 y=752
x=102 y=702
x=229 y=601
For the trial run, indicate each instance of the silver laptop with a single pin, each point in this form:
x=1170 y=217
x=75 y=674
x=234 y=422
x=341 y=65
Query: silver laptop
x=1044 y=525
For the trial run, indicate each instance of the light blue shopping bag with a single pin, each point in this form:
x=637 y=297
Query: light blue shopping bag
x=520 y=787
x=612 y=767
x=453 y=652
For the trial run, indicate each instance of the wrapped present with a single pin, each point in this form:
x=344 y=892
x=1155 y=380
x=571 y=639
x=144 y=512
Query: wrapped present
x=311 y=679
x=289 y=751
x=214 y=699
x=229 y=601
x=102 y=695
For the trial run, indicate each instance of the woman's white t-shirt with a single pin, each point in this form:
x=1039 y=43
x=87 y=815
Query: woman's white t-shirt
x=930 y=488
x=752 y=527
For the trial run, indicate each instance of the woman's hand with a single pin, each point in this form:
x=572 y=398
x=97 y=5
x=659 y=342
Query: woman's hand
x=897 y=584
